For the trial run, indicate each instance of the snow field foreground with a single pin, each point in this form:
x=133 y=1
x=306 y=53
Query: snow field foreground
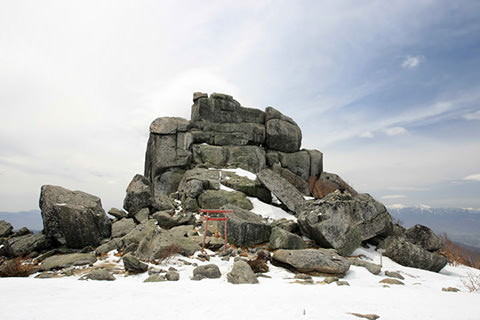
x=276 y=298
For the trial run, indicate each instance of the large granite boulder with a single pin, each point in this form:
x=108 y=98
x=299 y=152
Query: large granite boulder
x=424 y=237
x=281 y=188
x=282 y=239
x=22 y=246
x=6 y=229
x=136 y=235
x=411 y=255
x=342 y=222
x=297 y=181
x=312 y=261
x=67 y=260
x=214 y=199
x=208 y=271
x=122 y=227
x=241 y=273
x=250 y=158
x=251 y=188
x=245 y=228
x=167 y=220
x=222 y=134
x=222 y=108
x=327 y=183
x=139 y=195
x=282 y=133
x=73 y=218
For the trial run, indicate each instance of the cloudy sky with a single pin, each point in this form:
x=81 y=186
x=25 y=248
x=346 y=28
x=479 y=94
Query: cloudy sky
x=389 y=91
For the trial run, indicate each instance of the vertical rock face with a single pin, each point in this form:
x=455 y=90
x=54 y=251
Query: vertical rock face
x=73 y=218
x=139 y=195
x=282 y=133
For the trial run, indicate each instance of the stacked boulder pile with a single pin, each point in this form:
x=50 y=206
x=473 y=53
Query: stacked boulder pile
x=226 y=157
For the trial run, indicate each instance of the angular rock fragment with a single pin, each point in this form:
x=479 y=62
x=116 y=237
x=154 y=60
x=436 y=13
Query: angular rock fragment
x=281 y=188
x=424 y=237
x=138 y=196
x=241 y=273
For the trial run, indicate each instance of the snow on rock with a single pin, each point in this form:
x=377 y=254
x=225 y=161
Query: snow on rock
x=268 y=211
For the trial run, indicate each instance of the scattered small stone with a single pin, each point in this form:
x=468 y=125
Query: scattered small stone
x=303 y=276
x=99 y=274
x=342 y=283
x=329 y=280
x=47 y=275
x=210 y=271
x=391 y=281
x=369 y=316
x=394 y=274
x=185 y=262
x=451 y=289
x=227 y=252
x=172 y=269
x=172 y=276
x=155 y=278
x=303 y=282
x=203 y=257
x=225 y=258
x=133 y=265
x=262 y=275
x=241 y=273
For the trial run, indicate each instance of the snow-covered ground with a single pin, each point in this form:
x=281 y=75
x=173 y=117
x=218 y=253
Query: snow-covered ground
x=277 y=298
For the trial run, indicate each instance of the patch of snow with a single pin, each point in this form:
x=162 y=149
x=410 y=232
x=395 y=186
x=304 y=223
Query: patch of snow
x=224 y=187
x=270 y=212
x=275 y=200
x=242 y=173
x=61 y=204
x=308 y=198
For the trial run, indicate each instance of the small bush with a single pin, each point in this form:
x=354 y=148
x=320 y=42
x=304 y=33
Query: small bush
x=458 y=254
x=472 y=282
x=16 y=268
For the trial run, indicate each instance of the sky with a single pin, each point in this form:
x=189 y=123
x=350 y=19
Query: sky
x=389 y=91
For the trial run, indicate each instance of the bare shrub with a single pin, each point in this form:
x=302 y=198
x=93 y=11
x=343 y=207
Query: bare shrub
x=472 y=282
x=16 y=268
x=458 y=254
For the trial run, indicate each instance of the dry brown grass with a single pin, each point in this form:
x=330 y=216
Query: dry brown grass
x=458 y=254
x=16 y=268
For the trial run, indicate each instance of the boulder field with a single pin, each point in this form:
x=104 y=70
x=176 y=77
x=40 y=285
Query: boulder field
x=225 y=157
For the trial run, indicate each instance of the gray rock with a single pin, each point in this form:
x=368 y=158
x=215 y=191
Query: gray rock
x=297 y=162
x=373 y=268
x=368 y=316
x=168 y=125
x=410 y=255
x=245 y=228
x=137 y=234
x=282 y=239
x=316 y=163
x=241 y=273
x=117 y=213
x=165 y=220
x=6 y=228
x=168 y=181
x=22 y=232
x=210 y=271
x=138 y=196
x=285 y=224
x=312 y=261
x=220 y=108
x=342 y=222
x=172 y=276
x=214 y=199
x=327 y=183
x=252 y=188
x=67 y=260
x=196 y=180
x=162 y=202
x=250 y=158
x=391 y=281
x=393 y=274
x=296 y=181
x=424 y=237
x=342 y=283
x=282 y=133
x=73 y=218
x=108 y=246
x=281 y=188
x=133 y=265
x=155 y=278
x=99 y=274
x=228 y=133
x=198 y=95
x=24 y=245
x=122 y=227
x=142 y=215
x=451 y=289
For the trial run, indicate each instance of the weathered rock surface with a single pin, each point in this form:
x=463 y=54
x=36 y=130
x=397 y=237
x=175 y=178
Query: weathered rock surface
x=67 y=260
x=155 y=278
x=312 y=261
x=138 y=196
x=210 y=271
x=373 y=268
x=99 y=275
x=281 y=188
x=24 y=245
x=282 y=133
x=73 y=218
x=410 y=255
x=424 y=237
x=296 y=181
x=137 y=234
x=133 y=265
x=251 y=188
x=228 y=133
x=215 y=199
x=327 y=183
x=172 y=276
x=241 y=273
x=245 y=227
x=165 y=220
x=282 y=239
x=22 y=232
x=6 y=228
x=251 y=158
x=142 y=216
x=122 y=227
x=342 y=222
x=117 y=213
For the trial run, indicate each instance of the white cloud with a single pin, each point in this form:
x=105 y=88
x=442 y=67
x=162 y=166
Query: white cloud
x=411 y=62
x=394 y=196
x=408 y=189
x=368 y=135
x=472 y=115
x=395 y=131
x=396 y=206
x=473 y=177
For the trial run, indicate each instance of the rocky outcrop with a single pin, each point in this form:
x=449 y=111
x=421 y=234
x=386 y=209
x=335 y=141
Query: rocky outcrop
x=26 y=244
x=424 y=237
x=67 y=260
x=410 y=255
x=281 y=188
x=282 y=133
x=282 y=239
x=342 y=222
x=312 y=261
x=138 y=196
x=167 y=221
x=251 y=188
x=327 y=183
x=6 y=229
x=215 y=199
x=251 y=158
x=122 y=227
x=73 y=218
x=245 y=227
x=241 y=273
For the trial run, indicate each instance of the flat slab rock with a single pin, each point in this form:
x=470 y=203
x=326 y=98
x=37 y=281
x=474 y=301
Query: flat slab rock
x=313 y=261
x=281 y=188
x=67 y=260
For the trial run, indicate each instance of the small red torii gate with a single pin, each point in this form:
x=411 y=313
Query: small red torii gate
x=208 y=218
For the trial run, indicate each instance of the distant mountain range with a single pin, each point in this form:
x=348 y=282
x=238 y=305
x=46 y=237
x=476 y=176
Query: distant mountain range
x=31 y=219
x=461 y=225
